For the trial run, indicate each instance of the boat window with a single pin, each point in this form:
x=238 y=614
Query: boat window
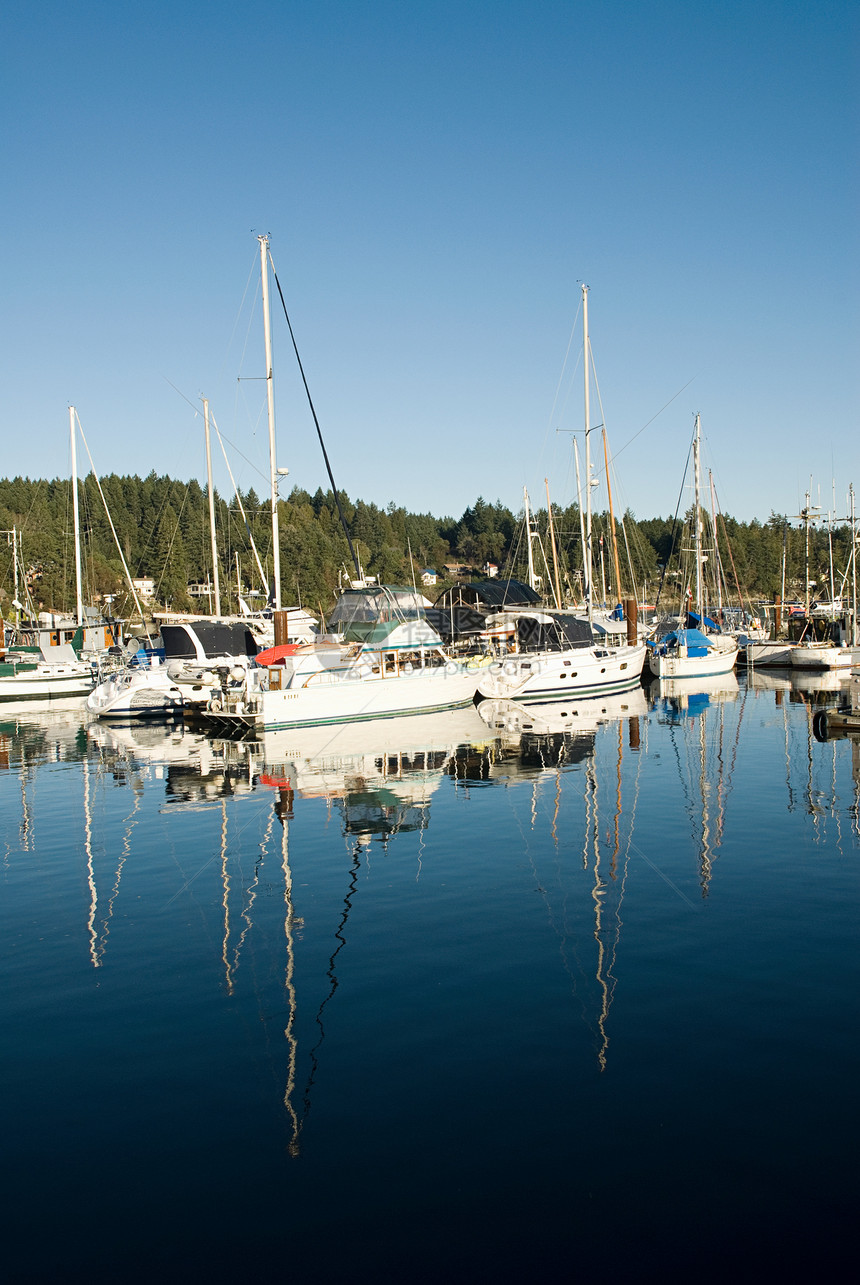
x=390 y=662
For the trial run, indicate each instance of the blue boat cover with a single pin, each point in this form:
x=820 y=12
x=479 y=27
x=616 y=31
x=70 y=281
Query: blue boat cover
x=694 y=620
x=693 y=639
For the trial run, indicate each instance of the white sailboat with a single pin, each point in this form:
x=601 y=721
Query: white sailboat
x=43 y=667
x=699 y=652
x=826 y=653
x=554 y=654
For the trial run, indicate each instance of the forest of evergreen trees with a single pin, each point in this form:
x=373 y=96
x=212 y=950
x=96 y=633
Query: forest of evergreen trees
x=162 y=526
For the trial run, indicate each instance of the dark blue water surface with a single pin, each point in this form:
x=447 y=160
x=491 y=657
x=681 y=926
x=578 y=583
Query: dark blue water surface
x=434 y=999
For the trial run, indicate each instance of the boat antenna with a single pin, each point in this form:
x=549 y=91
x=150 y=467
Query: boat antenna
x=317 y=424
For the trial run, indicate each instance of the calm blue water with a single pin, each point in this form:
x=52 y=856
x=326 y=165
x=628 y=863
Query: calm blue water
x=433 y=1000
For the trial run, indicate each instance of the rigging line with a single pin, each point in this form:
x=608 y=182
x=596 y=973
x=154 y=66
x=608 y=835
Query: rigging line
x=674 y=526
x=564 y=364
x=241 y=506
x=317 y=424
x=560 y=383
x=233 y=445
x=253 y=274
x=112 y=527
x=721 y=516
x=656 y=415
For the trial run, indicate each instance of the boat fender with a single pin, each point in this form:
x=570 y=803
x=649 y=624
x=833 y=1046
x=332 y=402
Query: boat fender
x=215 y=704
x=819 y=725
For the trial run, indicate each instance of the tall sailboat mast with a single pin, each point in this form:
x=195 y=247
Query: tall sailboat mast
x=270 y=402
x=697 y=519
x=581 y=519
x=585 y=361
x=79 y=599
x=211 y=509
x=615 y=561
x=853 y=569
x=532 y=584
x=806 y=515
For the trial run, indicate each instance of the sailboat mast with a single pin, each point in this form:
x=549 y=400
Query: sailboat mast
x=585 y=361
x=784 y=559
x=718 y=566
x=851 y=519
x=581 y=518
x=806 y=558
x=552 y=542
x=16 y=599
x=529 y=539
x=615 y=561
x=697 y=519
x=79 y=600
x=211 y=509
x=270 y=403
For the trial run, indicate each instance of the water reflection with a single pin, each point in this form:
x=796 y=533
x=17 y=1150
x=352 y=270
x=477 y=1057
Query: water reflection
x=380 y=776
x=566 y=779
x=552 y=744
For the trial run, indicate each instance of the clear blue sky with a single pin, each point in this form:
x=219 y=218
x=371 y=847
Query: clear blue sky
x=436 y=179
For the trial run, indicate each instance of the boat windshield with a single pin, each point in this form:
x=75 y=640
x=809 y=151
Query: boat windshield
x=370 y=606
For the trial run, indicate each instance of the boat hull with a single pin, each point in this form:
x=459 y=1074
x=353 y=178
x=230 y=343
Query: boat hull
x=769 y=653
x=821 y=657
x=134 y=694
x=678 y=664
x=45 y=685
x=351 y=699
x=579 y=673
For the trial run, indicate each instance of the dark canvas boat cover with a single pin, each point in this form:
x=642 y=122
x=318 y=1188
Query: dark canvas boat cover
x=489 y=595
x=453 y=623
x=217 y=638
x=558 y=633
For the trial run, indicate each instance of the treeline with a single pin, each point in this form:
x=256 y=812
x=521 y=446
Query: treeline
x=162 y=528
